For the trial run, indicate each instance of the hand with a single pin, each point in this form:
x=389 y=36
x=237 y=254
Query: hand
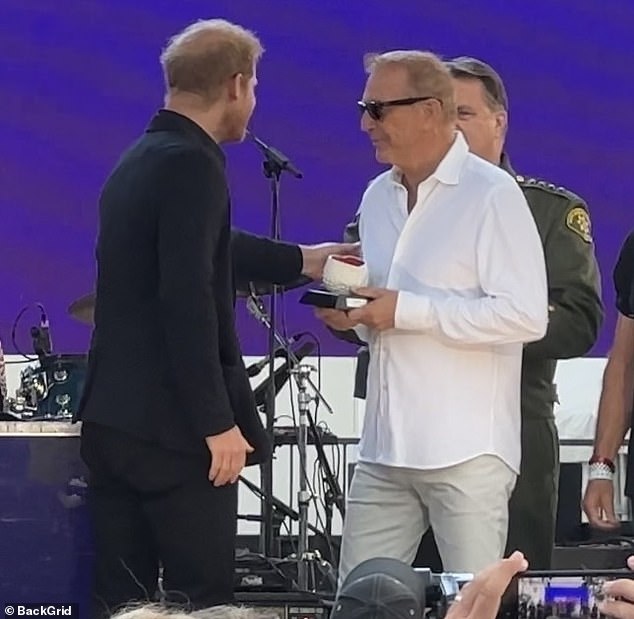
x=228 y=456
x=480 y=599
x=338 y=320
x=315 y=256
x=379 y=313
x=598 y=504
x=623 y=588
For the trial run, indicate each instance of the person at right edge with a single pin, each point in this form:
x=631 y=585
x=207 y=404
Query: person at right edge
x=615 y=405
x=575 y=308
x=3 y=380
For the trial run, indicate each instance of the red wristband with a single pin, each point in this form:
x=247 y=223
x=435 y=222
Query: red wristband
x=602 y=460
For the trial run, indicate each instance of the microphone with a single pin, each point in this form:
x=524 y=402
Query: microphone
x=255 y=368
x=281 y=375
x=275 y=156
x=256 y=308
x=45 y=334
x=41 y=336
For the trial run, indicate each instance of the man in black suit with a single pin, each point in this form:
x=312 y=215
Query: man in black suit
x=168 y=415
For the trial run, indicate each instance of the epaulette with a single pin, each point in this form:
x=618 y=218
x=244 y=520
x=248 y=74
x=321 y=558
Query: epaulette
x=577 y=217
x=533 y=183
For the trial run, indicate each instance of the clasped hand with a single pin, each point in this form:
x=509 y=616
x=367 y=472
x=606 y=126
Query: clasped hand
x=378 y=314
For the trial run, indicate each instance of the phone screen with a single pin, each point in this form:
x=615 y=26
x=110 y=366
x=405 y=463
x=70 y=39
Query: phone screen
x=552 y=595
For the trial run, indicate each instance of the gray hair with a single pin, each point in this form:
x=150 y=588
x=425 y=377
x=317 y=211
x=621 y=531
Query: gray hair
x=427 y=75
x=467 y=67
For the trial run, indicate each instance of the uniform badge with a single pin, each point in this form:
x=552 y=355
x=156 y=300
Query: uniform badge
x=579 y=222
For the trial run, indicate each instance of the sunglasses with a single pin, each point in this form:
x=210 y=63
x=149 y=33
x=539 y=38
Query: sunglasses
x=376 y=109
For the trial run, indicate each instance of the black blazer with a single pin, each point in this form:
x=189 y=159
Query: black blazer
x=165 y=363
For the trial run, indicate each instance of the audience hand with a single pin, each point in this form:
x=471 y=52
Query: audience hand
x=622 y=608
x=480 y=599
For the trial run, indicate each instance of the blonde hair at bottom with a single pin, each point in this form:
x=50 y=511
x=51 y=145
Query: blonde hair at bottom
x=217 y=612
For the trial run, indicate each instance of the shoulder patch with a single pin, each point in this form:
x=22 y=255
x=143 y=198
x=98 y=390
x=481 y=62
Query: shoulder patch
x=578 y=221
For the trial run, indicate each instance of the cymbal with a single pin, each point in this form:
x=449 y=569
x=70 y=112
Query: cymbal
x=83 y=309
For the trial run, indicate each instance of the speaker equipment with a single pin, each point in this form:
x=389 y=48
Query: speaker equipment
x=287 y=605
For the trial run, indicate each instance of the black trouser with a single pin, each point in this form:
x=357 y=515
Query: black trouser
x=533 y=505
x=151 y=505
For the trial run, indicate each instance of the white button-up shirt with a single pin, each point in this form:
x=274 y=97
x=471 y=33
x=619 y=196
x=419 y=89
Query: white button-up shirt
x=444 y=384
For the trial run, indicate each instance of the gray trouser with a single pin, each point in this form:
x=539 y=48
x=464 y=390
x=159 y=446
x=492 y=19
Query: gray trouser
x=390 y=508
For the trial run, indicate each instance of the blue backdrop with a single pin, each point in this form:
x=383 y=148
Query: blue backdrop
x=80 y=80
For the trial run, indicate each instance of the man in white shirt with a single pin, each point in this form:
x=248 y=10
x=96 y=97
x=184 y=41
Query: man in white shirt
x=458 y=284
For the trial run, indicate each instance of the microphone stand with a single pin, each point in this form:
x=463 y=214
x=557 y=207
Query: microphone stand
x=273 y=165
x=335 y=495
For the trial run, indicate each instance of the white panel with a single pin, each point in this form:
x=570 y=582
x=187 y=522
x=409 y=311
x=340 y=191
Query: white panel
x=578 y=383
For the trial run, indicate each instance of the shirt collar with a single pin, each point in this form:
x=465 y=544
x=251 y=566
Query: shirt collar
x=167 y=120
x=450 y=166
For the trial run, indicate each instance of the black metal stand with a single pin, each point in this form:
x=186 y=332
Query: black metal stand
x=274 y=164
x=334 y=495
x=282 y=509
x=267 y=541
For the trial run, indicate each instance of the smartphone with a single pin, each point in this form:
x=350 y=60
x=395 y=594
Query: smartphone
x=558 y=594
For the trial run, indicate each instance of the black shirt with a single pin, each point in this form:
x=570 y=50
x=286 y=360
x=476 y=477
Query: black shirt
x=624 y=278
x=624 y=285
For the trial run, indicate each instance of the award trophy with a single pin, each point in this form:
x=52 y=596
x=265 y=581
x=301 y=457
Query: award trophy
x=342 y=274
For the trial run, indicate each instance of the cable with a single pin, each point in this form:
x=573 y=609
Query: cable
x=273 y=563
x=15 y=326
x=290 y=537
x=279 y=417
x=19 y=361
x=317 y=469
x=335 y=449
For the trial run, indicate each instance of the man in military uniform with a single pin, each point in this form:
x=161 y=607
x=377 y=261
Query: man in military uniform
x=575 y=308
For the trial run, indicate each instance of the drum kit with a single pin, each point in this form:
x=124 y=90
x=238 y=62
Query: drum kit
x=50 y=390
